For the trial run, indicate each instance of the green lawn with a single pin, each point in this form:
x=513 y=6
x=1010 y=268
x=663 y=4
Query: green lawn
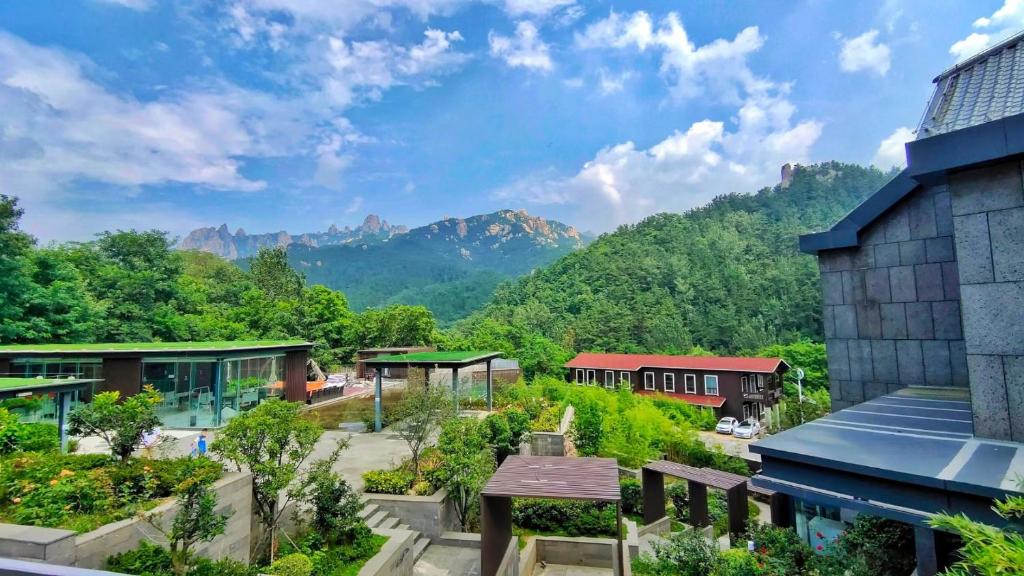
x=452 y=356
x=149 y=346
x=9 y=383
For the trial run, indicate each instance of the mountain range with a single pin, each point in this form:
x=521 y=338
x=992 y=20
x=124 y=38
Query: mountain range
x=222 y=242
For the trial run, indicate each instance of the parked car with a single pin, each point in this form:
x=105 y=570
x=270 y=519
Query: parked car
x=726 y=425
x=747 y=429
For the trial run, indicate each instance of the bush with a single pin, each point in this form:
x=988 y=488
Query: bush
x=296 y=564
x=686 y=553
x=388 y=481
x=632 y=496
x=16 y=436
x=566 y=517
x=677 y=493
x=152 y=560
x=548 y=420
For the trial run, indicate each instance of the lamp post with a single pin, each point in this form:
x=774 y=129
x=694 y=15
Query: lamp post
x=800 y=392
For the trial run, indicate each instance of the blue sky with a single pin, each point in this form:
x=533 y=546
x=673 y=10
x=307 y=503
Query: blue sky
x=299 y=114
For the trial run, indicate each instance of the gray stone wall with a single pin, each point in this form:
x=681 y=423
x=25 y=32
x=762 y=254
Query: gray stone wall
x=892 y=305
x=430 y=515
x=988 y=217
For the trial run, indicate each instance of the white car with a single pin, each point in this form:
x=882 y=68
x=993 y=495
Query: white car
x=747 y=429
x=726 y=425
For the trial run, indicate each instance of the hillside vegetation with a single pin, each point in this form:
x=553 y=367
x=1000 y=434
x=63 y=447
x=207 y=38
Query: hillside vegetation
x=727 y=277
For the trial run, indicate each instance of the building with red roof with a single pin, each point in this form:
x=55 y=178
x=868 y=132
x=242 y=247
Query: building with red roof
x=731 y=386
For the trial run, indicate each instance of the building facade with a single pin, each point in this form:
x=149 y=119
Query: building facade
x=923 y=293
x=739 y=387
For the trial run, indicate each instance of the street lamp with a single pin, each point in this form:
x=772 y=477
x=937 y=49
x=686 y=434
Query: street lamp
x=800 y=392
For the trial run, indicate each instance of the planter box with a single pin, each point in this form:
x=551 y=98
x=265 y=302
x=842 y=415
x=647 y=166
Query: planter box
x=555 y=443
x=91 y=549
x=430 y=515
x=395 y=557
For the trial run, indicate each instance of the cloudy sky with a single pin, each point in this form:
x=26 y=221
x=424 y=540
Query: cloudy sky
x=298 y=114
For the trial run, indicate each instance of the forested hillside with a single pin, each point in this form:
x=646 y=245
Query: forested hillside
x=451 y=266
x=726 y=277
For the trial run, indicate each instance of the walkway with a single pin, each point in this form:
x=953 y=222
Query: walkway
x=448 y=561
x=562 y=570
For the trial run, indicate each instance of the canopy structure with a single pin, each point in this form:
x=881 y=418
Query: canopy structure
x=453 y=360
x=571 y=478
x=63 y=388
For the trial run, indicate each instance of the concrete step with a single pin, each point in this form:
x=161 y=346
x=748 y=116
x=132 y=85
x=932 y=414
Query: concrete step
x=403 y=526
x=376 y=519
x=368 y=510
x=420 y=547
x=389 y=522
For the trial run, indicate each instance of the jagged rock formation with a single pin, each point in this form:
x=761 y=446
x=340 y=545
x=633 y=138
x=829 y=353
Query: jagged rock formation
x=223 y=243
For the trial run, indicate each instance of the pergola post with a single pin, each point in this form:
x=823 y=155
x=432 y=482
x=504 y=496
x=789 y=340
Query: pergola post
x=496 y=532
x=455 y=387
x=620 y=570
x=490 y=387
x=781 y=509
x=927 y=554
x=63 y=407
x=652 y=485
x=377 y=393
x=698 y=503
x=736 y=501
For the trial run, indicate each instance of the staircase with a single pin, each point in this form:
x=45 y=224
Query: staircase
x=375 y=517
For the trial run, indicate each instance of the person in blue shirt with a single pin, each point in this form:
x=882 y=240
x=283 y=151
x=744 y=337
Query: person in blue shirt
x=201 y=444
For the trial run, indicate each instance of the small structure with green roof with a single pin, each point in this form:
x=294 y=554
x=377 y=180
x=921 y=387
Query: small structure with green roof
x=56 y=396
x=453 y=360
x=203 y=384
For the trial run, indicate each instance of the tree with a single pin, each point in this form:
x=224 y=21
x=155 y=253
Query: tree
x=335 y=505
x=120 y=424
x=14 y=280
x=987 y=550
x=272 y=274
x=419 y=417
x=588 y=427
x=324 y=318
x=195 y=520
x=396 y=325
x=272 y=442
x=467 y=461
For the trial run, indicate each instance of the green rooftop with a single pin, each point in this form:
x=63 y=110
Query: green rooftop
x=149 y=346
x=8 y=384
x=452 y=357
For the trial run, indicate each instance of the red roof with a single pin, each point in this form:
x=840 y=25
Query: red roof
x=634 y=362
x=695 y=399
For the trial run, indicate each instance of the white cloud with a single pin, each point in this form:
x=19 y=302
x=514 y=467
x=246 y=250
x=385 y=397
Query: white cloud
x=355 y=206
x=624 y=183
x=719 y=67
x=519 y=8
x=1004 y=22
x=864 y=53
x=140 y=5
x=611 y=83
x=891 y=151
x=525 y=49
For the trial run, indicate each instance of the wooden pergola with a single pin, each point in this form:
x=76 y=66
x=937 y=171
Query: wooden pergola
x=453 y=360
x=736 y=488
x=560 y=477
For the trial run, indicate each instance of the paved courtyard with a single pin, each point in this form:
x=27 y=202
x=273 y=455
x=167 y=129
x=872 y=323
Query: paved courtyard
x=562 y=570
x=448 y=561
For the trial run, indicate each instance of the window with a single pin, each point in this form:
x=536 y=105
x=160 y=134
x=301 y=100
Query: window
x=690 y=383
x=669 y=382
x=624 y=378
x=648 y=380
x=591 y=377
x=760 y=381
x=711 y=385
x=580 y=378
x=609 y=379
x=743 y=384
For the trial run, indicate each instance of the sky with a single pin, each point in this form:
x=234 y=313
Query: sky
x=297 y=114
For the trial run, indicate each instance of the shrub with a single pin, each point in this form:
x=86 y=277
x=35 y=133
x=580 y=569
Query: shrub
x=388 y=481
x=467 y=461
x=632 y=496
x=548 y=420
x=568 y=517
x=335 y=505
x=677 y=493
x=587 y=427
x=120 y=423
x=686 y=553
x=297 y=564
x=16 y=436
x=423 y=488
x=148 y=558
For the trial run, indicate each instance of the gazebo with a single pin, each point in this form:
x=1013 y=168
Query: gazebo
x=561 y=477
x=64 y=390
x=453 y=360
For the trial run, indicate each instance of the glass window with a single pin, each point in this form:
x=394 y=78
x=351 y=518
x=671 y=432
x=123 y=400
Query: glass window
x=648 y=380
x=711 y=384
x=579 y=376
x=592 y=377
x=690 y=383
x=609 y=379
x=669 y=382
x=624 y=377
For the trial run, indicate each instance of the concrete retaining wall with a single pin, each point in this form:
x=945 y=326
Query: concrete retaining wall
x=395 y=558
x=430 y=515
x=579 y=551
x=91 y=549
x=459 y=539
x=510 y=562
x=658 y=527
x=556 y=443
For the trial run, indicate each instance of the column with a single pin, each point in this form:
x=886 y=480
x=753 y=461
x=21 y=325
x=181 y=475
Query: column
x=927 y=556
x=736 y=500
x=218 y=391
x=782 y=510
x=455 y=388
x=295 y=375
x=620 y=556
x=495 y=532
x=63 y=407
x=490 y=387
x=698 y=503
x=377 y=393
x=653 y=488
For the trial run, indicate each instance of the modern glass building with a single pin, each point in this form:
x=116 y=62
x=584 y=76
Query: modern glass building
x=202 y=384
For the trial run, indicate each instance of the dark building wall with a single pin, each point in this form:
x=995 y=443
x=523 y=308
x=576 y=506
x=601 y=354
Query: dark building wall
x=295 y=375
x=5 y=366
x=891 y=306
x=988 y=217
x=123 y=375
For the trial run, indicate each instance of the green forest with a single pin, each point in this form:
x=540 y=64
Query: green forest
x=724 y=278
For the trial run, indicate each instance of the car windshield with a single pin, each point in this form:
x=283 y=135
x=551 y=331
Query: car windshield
x=726 y=421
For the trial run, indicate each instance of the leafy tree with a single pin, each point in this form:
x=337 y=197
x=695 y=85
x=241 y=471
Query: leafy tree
x=419 y=417
x=271 y=273
x=396 y=325
x=195 y=520
x=57 y=304
x=467 y=461
x=324 y=318
x=335 y=505
x=272 y=442
x=588 y=428
x=987 y=550
x=120 y=424
x=14 y=280
x=810 y=356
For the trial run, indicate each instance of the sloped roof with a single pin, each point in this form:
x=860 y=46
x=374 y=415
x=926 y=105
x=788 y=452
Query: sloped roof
x=634 y=362
x=983 y=88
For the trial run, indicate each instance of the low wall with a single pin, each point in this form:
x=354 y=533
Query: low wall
x=91 y=549
x=528 y=558
x=234 y=497
x=459 y=539
x=395 y=558
x=555 y=443
x=579 y=551
x=510 y=561
x=661 y=526
x=429 y=515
